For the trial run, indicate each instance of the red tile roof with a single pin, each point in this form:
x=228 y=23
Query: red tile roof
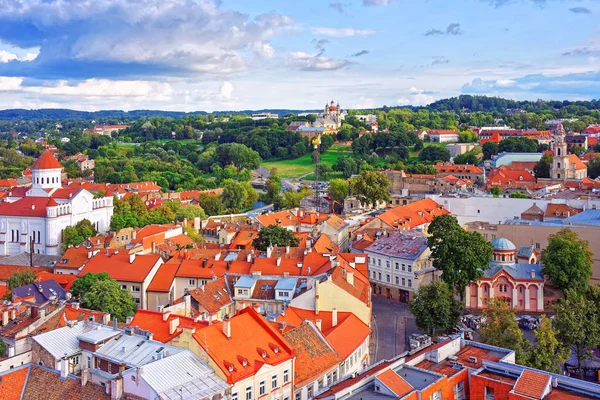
x=64 y=280
x=506 y=176
x=46 y=161
x=579 y=165
x=6 y=271
x=241 y=355
x=8 y=183
x=561 y=210
x=118 y=267
x=444 y=168
x=164 y=277
x=74 y=258
x=208 y=269
x=159 y=324
x=325 y=245
x=314 y=357
x=413 y=215
x=26 y=207
x=243 y=239
x=213 y=296
x=395 y=383
x=12 y=384
x=532 y=384
x=46 y=384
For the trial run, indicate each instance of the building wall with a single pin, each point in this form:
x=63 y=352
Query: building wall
x=316 y=385
x=479 y=383
x=41 y=356
x=157 y=299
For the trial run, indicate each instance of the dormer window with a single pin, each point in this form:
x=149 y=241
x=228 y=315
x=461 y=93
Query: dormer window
x=244 y=362
x=231 y=368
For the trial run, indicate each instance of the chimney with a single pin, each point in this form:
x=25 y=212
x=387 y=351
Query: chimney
x=4 y=317
x=84 y=376
x=13 y=313
x=64 y=368
x=334 y=317
x=269 y=251
x=42 y=313
x=227 y=328
x=173 y=324
x=287 y=249
x=106 y=319
x=187 y=300
x=75 y=305
x=185 y=254
x=278 y=261
x=166 y=315
x=317 y=297
x=197 y=224
x=153 y=247
x=131 y=258
x=318 y=323
x=350 y=278
x=90 y=254
x=116 y=388
x=249 y=257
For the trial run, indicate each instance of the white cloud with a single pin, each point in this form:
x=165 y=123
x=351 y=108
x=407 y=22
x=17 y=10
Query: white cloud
x=314 y=62
x=226 y=90
x=263 y=50
x=6 y=56
x=416 y=97
x=364 y=103
x=342 y=32
x=505 y=82
x=376 y=2
x=8 y=84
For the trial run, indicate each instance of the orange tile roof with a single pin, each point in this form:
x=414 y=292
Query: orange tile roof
x=47 y=384
x=6 y=271
x=349 y=333
x=264 y=289
x=363 y=243
x=505 y=176
x=360 y=288
x=579 y=165
x=150 y=230
x=336 y=222
x=281 y=218
x=532 y=384
x=204 y=269
x=268 y=266
x=303 y=236
x=457 y=168
x=8 y=183
x=241 y=355
x=46 y=161
x=117 y=266
x=164 y=277
x=26 y=207
x=561 y=210
x=213 y=296
x=12 y=384
x=74 y=257
x=413 y=215
x=395 y=383
x=325 y=245
x=243 y=239
x=313 y=355
x=64 y=280
x=155 y=322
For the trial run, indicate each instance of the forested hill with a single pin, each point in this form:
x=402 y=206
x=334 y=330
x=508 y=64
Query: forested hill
x=66 y=114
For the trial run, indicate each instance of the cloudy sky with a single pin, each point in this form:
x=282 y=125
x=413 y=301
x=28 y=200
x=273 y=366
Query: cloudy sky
x=252 y=54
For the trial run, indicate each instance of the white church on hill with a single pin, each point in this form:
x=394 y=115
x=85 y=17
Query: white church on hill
x=35 y=216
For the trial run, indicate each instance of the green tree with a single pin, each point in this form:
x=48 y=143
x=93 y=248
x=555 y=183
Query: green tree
x=567 y=261
x=549 y=353
x=542 y=168
x=251 y=195
x=275 y=235
x=578 y=326
x=2 y=349
x=234 y=196
x=19 y=279
x=501 y=329
x=273 y=186
x=518 y=195
x=73 y=235
x=496 y=191
x=435 y=308
x=188 y=212
x=518 y=144
x=107 y=296
x=83 y=285
x=434 y=153
x=338 y=189
x=371 y=187
x=489 y=149
x=461 y=256
x=594 y=166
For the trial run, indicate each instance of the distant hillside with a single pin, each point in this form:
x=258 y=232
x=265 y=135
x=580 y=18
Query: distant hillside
x=63 y=113
x=500 y=105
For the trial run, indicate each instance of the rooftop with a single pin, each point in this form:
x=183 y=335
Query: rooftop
x=119 y=266
x=66 y=340
x=404 y=244
x=134 y=350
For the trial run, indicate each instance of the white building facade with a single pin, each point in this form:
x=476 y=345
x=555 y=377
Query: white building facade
x=33 y=220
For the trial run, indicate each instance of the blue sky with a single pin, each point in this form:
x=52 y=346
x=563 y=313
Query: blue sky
x=250 y=54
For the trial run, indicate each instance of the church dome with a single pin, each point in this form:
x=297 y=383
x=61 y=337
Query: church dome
x=46 y=161
x=503 y=244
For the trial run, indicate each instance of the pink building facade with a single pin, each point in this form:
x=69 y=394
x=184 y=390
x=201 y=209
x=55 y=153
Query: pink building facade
x=508 y=276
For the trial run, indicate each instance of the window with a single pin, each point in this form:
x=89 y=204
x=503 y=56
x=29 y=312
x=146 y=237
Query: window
x=124 y=287
x=321 y=383
x=274 y=382
x=387 y=277
x=379 y=274
x=234 y=396
x=270 y=308
x=459 y=391
x=262 y=388
x=537 y=246
x=397 y=266
x=286 y=376
x=520 y=289
x=493 y=237
x=489 y=393
x=403 y=267
x=299 y=396
x=135 y=289
x=309 y=392
x=436 y=396
x=409 y=267
x=242 y=291
x=75 y=360
x=192 y=282
x=334 y=376
x=97 y=363
x=374 y=275
x=89 y=363
x=410 y=283
x=249 y=393
x=284 y=294
x=485 y=236
x=379 y=262
x=397 y=281
x=387 y=264
x=370 y=260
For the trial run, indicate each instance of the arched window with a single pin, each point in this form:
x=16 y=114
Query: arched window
x=558 y=151
x=558 y=176
x=558 y=164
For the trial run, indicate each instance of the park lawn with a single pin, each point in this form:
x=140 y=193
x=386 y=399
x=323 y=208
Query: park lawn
x=303 y=165
x=329 y=176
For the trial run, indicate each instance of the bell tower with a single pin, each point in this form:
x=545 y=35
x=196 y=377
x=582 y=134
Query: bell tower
x=560 y=160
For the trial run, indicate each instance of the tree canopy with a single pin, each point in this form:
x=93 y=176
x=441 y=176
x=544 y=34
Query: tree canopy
x=73 y=235
x=106 y=295
x=435 y=308
x=543 y=167
x=19 y=279
x=567 y=261
x=462 y=256
x=83 y=284
x=549 y=353
x=274 y=235
x=502 y=329
x=371 y=187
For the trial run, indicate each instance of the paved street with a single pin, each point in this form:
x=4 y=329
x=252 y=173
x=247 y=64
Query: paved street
x=392 y=321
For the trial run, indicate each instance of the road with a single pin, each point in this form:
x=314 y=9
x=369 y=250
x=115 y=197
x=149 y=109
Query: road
x=392 y=321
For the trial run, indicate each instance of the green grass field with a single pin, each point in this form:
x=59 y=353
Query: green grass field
x=303 y=165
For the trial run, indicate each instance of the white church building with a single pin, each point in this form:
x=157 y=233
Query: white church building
x=36 y=216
